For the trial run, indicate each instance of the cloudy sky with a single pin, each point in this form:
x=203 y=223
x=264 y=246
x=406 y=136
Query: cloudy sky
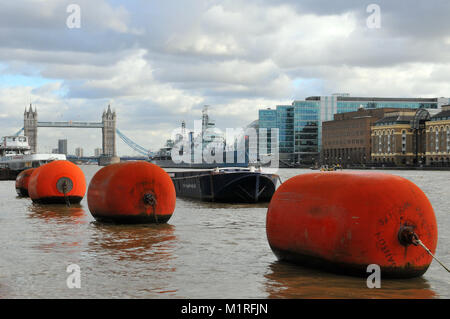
x=158 y=62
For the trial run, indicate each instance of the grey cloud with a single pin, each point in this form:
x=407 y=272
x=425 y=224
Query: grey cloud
x=234 y=54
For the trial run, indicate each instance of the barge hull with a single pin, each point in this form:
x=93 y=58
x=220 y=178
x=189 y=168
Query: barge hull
x=230 y=187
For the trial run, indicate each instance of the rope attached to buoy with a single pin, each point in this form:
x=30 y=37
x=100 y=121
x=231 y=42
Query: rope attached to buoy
x=407 y=236
x=279 y=178
x=419 y=242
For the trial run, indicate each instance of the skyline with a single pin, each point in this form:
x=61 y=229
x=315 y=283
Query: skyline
x=158 y=63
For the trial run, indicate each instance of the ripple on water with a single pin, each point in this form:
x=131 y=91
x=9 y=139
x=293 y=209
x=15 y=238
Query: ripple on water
x=207 y=250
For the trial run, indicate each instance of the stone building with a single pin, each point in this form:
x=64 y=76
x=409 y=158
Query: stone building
x=399 y=138
x=30 y=125
x=109 y=132
x=438 y=138
x=346 y=140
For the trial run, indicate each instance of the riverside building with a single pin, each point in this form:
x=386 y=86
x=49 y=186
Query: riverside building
x=346 y=140
x=399 y=138
x=300 y=124
x=438 y=138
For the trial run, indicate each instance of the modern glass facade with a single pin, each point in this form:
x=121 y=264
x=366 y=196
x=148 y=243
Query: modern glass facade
x=306 y=128
x=300 y=124
x=268 y=119
x=285 y=125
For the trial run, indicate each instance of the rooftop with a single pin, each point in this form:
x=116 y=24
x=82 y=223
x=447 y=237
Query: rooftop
x=376 y=99
x=443 y=115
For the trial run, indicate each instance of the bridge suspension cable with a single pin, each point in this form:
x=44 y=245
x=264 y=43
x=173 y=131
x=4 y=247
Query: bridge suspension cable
x=129 y=142
x=133 y=145
x=18 y=133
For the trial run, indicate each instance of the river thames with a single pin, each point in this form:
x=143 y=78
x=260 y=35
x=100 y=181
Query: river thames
x=206 y=250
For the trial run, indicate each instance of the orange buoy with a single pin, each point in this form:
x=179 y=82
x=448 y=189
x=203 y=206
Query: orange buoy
x=58 y=182
x=133 y=192
x=22 y=181
x=345 y=221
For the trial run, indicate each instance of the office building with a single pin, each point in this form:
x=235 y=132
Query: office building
x=62 y=146
x=79 y=152
x=346 y=140
x=300 y=124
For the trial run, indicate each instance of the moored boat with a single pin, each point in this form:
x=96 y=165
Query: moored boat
x=232 y=185
x=15 y=156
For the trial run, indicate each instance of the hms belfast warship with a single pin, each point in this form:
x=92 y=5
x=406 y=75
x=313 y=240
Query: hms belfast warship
x=232 y=179
x=209 y=140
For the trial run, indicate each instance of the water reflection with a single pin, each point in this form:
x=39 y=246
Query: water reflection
x=192 y=203
x=64 y=235
x=138 y=260
x=150 y=242
x=214 y=250
x=60 y=214
x=286 y=280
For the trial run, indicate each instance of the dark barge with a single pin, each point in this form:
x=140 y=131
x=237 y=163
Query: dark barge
x=7 y=174
x=230 y=185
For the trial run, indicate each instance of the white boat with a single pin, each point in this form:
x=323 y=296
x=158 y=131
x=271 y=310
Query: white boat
x=15 y=156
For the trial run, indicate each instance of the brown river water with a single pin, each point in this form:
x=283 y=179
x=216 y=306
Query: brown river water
x=206 y=250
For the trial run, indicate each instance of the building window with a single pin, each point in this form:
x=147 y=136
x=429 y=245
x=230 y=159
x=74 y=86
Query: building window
x=404 y=141
x=437 y=140
x=389 y=143
x=448 y=139
x=431 y=140
x=380 y=143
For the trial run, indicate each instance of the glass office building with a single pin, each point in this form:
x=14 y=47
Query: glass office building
x=300 y=124
x=268 y=119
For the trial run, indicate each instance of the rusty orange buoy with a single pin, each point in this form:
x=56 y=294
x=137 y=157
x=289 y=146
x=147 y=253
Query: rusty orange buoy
x=22 y=181
x=133 y=192
x=58 y=182
x=344 y=221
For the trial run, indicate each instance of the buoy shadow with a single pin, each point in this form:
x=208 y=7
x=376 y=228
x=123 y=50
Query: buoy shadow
x=149 y=242
x=192 y=203
x=130 y=227
x=292 y=281
x=58 y=213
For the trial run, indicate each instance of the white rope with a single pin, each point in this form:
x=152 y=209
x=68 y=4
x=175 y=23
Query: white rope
x=428 y=251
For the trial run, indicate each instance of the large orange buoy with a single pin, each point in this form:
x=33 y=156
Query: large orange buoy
x=58 y=182
x=133 y=192
x=22 y=181
x=344 y=222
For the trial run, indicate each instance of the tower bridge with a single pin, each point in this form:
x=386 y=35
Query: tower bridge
x=108 y=126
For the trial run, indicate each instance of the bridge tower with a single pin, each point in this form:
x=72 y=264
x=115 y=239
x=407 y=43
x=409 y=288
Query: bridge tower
x=109 y=132
x=30 y=125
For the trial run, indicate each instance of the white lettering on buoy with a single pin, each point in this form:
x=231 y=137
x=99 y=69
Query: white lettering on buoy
x=74 y=279
x=374 y=280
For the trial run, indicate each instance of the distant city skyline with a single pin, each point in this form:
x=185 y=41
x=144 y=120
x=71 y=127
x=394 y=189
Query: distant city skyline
x=62 y=147
x=65 y=149
x=158 y=62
